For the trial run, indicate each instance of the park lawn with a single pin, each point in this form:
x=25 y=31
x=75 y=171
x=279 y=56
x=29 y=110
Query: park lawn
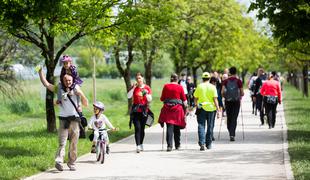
x=297 y=114
x=26 y=148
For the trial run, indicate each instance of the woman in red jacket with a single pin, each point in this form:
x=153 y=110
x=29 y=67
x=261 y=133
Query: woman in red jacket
x=173 y=111
x=271 y=92
x=142 y=96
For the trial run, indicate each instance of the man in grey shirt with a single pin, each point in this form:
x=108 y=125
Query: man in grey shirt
x=69 y=119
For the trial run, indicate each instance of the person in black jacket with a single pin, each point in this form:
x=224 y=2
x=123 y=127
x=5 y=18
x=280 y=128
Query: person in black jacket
x=190 y=92
x=257 y=97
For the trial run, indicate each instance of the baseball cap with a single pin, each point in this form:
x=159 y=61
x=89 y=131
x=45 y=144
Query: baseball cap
x=205 y=75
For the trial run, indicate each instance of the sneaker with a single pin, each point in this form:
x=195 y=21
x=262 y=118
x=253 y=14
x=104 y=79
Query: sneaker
x=107 y=150
x=93 y=149
x=209 y=146
x=141 y=147
x=169 y=149
x=202 y=147
x=71 y=167
x=138 y=149
x=58 y=166
x=178 y=147
x=232 y=138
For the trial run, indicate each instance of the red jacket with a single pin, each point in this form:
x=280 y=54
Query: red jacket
x=271 y=88
x=172 y=114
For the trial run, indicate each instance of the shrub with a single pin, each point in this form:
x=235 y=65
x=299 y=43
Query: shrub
x=19 y=107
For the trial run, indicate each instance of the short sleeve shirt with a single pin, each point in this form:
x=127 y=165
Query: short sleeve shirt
x=139 y=94
x=205 y=93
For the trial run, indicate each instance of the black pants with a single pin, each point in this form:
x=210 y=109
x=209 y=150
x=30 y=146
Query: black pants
x=139 y=122
x=173 y=131
x=232 y=110
x=260 y=107
x=271 y=112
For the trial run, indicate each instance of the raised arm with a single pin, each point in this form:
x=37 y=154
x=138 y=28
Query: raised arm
x=45 y=83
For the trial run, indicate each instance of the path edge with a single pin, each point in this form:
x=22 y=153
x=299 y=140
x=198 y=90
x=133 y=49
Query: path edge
x=287 y=162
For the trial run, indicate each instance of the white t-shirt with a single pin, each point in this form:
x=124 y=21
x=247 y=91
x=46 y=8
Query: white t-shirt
x=183 y=84
x=66 y=107
x=102 y=120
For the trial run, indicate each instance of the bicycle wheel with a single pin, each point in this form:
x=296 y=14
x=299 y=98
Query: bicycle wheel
x=98 y=150
x=102 y=152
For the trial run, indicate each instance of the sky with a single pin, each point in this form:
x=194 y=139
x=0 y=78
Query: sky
x=259 y=24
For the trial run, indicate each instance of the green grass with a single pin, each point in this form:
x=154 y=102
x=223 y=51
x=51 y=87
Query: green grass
x=25 y=146
x=297 y=114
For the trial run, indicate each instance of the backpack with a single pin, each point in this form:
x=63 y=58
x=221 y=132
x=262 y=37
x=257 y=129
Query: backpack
x=232 y=91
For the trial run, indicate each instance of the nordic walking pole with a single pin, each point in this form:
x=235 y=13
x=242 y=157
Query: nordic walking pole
x=220 y=127
x=162 y=138
x=242 y=121
x=187 y=114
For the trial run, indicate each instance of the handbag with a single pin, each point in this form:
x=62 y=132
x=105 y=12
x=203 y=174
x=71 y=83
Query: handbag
x=150 y=118
x=82 y=117
x=271 y=99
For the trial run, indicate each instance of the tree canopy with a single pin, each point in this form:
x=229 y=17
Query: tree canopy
x=290 y=20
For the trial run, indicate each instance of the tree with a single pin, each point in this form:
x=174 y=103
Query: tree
x=140 y=34
x=290 y=23
x=205 y=32
x=8 y=47
x=40 y=22
x=290 y=20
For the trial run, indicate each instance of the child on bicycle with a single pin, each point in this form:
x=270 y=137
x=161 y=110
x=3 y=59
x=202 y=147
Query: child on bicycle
x=99 y=121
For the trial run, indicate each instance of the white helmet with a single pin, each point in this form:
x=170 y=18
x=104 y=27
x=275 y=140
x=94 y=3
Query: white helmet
x=99 y=105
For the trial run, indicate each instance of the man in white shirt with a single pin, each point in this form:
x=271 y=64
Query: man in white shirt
x=69 y=119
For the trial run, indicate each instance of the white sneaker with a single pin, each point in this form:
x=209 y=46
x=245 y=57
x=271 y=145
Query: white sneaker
x=141 y=147
x=138 y=149
x=71 y=167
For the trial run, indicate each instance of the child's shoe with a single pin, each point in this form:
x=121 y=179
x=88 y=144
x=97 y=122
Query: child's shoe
x=93 y=149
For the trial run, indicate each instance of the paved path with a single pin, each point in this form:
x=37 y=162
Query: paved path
x=261 y=155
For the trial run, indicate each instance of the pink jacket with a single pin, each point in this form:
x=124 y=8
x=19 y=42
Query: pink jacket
x=271 y=88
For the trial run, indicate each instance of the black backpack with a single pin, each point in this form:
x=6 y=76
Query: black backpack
x=232 y=92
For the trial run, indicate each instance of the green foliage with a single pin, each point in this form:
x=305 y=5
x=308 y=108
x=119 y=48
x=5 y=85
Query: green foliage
x=290 y=19
x=117 y=95
x=297 y=112
x=19 y=107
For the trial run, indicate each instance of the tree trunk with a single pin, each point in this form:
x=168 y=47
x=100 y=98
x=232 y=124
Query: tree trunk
x=148 y=65
x=194 y=71
x=50 y=64
x=243 y=74
x=305 y=79
x=125 y=72
x=49 y=102
x=184 y=52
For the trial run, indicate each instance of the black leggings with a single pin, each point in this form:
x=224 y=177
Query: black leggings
x=271 y=110
x=139 y=122
x=173 y=131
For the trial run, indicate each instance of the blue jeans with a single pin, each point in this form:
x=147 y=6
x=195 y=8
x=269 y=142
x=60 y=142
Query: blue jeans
x=202 y=117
